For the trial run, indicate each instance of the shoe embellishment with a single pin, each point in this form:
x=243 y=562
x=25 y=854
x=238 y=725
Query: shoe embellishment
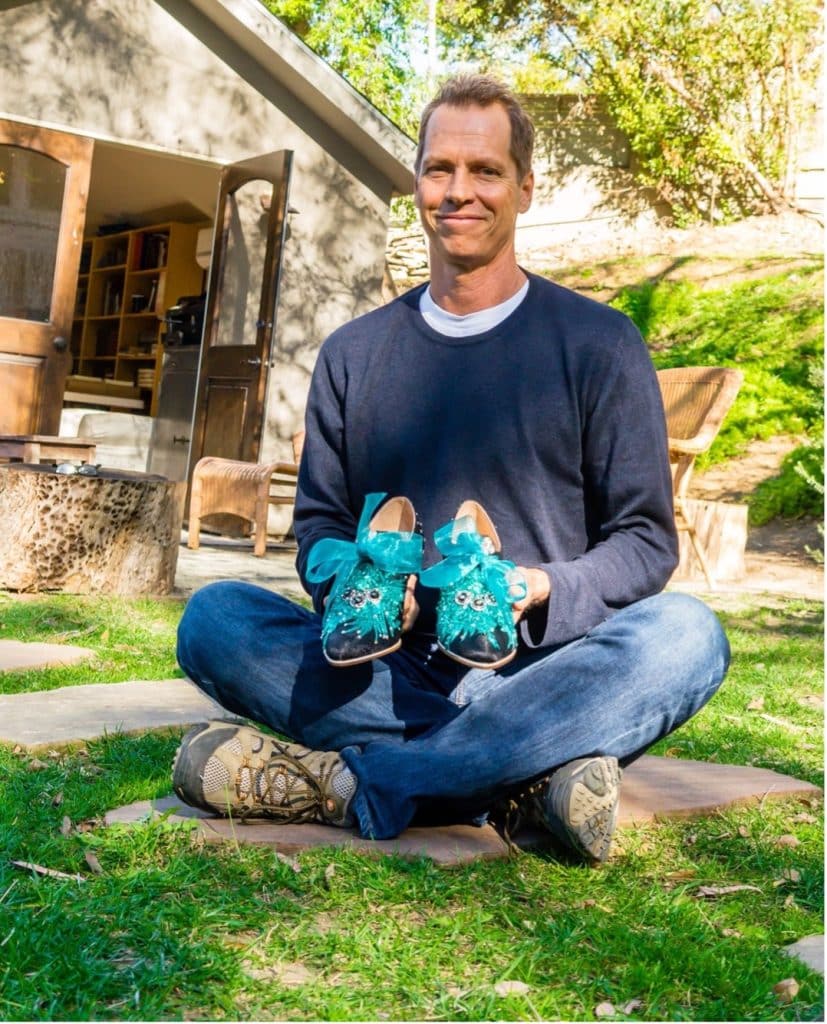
x=475 y=624
x=363 y=614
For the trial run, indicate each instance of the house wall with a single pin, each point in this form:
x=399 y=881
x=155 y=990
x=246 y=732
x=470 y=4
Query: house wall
x=160 y=74
x=583 y=171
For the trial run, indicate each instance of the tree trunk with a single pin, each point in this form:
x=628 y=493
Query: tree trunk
x=116 y=533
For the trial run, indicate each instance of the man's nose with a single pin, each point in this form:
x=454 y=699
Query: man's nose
x=460 y=186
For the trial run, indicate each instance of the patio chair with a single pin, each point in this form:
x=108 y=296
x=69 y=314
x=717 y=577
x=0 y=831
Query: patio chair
x=696 y=399
x=241 y=489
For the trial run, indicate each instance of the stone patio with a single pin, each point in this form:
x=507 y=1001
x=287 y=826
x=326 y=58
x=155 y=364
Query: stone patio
x=654 y=789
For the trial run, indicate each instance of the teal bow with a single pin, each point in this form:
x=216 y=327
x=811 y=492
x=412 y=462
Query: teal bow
x=465 y=550
x=398 y=553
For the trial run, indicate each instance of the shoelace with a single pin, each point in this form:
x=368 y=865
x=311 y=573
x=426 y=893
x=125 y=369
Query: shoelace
x=306 y=808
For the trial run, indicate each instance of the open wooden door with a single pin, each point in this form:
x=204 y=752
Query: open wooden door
x=44 y=181
x=250 y=223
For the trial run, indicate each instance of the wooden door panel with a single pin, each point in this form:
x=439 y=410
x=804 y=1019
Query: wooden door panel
x=44 y=180
x=22 y=377
x=227 y=404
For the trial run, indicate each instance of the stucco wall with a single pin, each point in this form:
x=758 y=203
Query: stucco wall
x=160 y=74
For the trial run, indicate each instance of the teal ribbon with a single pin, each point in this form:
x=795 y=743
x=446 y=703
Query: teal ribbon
x=465 y=550
x=398 y=553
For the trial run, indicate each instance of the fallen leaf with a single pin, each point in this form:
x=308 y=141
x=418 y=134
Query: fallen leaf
x=329 y=873
x=756 y=704
x=57 y=799
x=284 y=859
x=673 y=877
x=511 y=988
x=712 y=892
x=36 y=765
x=759 y=666
x=26 y=865
x=790 y=875
x=55 y=755
x=787 y=840
x=18 y=749
x=632 y=1005
x=811 y=700
x=604 y=1010
x=93 y=862
x=786 y=990
x=88 y=824
x=743 y=831
x=104 y=637
x=455 y=992
x=732 y=933
x=66 y=825
x=670 y=752
x=805 y=819
x=789 y=902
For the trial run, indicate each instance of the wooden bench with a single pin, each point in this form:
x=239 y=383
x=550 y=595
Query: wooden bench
x=36 y=448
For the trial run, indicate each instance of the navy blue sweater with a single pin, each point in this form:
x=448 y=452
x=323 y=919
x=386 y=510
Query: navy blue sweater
x=553 y=421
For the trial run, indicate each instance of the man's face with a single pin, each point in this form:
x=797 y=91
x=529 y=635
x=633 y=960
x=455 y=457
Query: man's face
x=468 y=191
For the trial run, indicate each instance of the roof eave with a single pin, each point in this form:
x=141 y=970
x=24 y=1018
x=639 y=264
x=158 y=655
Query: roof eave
x=316 y=84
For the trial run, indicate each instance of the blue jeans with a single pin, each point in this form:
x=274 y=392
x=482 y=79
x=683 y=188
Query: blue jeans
x=431 y=740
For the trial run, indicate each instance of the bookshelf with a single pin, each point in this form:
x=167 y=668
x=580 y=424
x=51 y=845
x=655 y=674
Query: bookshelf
x=126 y=283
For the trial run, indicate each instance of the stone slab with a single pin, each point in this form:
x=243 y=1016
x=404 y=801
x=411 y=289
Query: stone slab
x=16 y=656
x=654 y=788
x=76 y=713
x=810 y=950
x=446 y=845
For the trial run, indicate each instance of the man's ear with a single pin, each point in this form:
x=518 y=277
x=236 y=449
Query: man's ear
x=526 y=192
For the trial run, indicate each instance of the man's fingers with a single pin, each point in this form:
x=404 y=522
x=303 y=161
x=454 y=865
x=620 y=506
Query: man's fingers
x=410 y=607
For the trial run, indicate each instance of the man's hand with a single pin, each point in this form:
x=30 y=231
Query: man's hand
x=410 y=607
x=539 y=591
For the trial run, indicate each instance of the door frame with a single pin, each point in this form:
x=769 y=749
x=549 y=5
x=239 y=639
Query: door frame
x=75 y=153
x=233 y=176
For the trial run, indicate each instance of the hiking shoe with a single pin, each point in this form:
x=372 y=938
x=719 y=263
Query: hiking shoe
x=577 y=803
x=236 y=770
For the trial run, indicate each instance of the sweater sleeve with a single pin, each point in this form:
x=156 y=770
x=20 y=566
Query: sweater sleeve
x=323 y=506
x=628 y=502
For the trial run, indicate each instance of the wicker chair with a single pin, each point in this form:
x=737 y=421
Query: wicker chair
x=241 y=489
x=696 y=399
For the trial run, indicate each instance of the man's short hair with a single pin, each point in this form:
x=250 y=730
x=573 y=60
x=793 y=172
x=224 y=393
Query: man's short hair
x=483 y=91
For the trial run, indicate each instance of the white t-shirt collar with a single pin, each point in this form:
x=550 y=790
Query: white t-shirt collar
x=455 y=326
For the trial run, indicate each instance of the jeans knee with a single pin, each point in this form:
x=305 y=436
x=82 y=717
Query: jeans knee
x=202 y=618
x=694 y=633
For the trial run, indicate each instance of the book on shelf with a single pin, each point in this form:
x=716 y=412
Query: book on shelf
x=154 y=250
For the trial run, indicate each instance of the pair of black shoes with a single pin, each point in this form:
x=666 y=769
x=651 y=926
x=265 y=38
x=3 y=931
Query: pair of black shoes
x=364 y=612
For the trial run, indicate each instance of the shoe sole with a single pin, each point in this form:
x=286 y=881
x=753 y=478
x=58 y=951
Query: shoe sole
x=364 y=658
x=591 y=806
x=478 y=664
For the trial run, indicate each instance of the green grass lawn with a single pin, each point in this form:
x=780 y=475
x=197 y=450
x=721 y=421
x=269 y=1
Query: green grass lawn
x=173 y=929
